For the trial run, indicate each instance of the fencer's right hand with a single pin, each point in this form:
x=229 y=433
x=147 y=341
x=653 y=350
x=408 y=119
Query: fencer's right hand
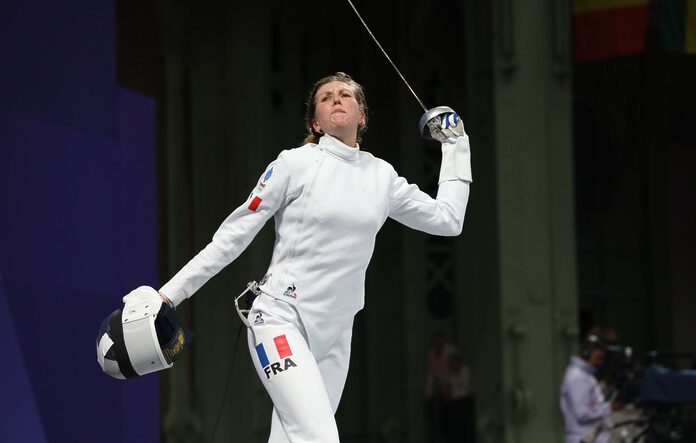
x=446 y=127
x=143 y=293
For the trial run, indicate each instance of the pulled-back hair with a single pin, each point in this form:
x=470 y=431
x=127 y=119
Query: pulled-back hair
x=313 y=136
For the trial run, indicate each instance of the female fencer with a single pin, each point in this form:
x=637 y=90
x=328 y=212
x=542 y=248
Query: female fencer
x=328 y=198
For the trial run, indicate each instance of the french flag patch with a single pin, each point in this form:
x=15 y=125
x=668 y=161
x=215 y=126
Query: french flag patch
x=282 y=347
x=272 y=366
x=254 y=205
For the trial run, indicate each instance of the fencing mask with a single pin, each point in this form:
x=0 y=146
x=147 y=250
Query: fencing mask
x=142 y=337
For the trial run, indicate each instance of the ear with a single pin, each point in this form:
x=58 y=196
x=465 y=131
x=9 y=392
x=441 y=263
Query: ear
x=315 y=126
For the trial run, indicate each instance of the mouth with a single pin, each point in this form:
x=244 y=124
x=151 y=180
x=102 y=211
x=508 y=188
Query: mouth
x=338 y=111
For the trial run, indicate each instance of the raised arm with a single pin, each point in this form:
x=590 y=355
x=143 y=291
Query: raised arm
x=443 y=215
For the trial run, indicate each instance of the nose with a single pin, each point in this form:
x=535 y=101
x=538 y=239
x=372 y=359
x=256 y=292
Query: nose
x=337 y=98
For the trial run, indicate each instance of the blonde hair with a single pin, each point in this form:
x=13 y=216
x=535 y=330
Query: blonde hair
x=313 y=136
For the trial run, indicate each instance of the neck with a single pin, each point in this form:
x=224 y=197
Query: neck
x=349 y=140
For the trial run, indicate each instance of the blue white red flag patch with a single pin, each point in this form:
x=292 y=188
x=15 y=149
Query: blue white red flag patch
x=254 y=205
x=282 y=347
x=284 y=352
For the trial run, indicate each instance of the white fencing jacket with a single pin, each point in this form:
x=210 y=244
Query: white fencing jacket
x=582 y=402
x=329 y=201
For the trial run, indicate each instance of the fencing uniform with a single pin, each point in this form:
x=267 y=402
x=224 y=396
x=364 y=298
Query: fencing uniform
x=329 y=201
x=582 y=402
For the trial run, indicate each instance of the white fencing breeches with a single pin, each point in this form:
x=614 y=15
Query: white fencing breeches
x=305 y=389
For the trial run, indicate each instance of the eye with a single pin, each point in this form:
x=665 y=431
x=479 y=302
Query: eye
x=325 y=98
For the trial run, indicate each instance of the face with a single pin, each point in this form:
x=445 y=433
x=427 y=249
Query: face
x=337 y=112
x=438 y=343
x=596 y=358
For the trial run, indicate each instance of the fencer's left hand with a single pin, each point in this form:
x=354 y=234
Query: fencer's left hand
x=446 y=127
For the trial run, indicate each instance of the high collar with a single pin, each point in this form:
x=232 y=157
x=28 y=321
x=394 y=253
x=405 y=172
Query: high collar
x=339 y=149
x=582 y=364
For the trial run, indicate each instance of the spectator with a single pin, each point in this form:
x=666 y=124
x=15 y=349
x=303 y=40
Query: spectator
x=437 y=385
x=459 y=405
x=582 y=402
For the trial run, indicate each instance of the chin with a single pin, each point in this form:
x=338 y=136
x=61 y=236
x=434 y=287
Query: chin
x=345 y=126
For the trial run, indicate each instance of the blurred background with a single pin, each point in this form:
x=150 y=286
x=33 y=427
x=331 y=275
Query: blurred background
x=129 y=129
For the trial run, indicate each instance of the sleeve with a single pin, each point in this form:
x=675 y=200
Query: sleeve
x=235 y=233
x=587 y=403
x=443 y=215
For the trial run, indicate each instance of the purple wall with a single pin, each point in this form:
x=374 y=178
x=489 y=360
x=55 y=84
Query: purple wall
x=78 y=227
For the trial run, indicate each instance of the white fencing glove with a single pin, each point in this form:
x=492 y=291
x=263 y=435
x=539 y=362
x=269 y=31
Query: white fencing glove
x=446 y=127
x=142 y=294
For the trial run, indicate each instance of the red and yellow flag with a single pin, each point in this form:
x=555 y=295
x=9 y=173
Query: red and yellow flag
x=608 y=28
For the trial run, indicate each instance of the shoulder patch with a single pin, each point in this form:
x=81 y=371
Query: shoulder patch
x=268 y=175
